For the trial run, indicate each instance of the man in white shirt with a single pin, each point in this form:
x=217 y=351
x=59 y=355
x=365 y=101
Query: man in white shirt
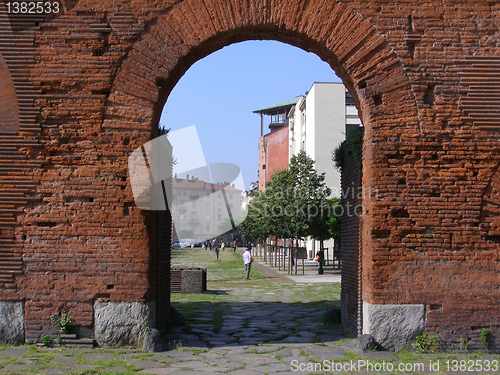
x=247 y=260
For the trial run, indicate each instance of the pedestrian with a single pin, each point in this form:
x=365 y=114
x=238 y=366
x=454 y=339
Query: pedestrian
x=235 y=243
x=216 y=249
x=247 y=260
x=222 y=245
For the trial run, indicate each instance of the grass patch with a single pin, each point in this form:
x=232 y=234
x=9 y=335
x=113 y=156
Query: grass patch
x=407 y=356
x=349 y=356
x=226 y=281
x=193 y=350
x=270 y=351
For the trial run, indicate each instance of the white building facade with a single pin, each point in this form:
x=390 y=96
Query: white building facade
x=318 y=123
x=203 y=210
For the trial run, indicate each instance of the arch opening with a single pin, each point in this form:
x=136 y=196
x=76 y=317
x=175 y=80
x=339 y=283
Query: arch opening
x=265 y=299
x=368 y=67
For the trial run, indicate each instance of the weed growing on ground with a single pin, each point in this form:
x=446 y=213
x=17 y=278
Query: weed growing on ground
x=193 y=350
x=464 y=343
x=428 y=344
x=485 y=337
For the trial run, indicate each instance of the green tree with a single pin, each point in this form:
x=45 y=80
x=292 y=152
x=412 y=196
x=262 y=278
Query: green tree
x=328 y=223
x=278 y=196
x=310 y=197
x=295 y=204
x=256 y=225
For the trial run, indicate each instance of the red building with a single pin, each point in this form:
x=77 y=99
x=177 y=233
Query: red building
x=273 y=147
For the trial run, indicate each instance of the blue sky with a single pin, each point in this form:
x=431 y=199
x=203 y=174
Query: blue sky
x=218 y=94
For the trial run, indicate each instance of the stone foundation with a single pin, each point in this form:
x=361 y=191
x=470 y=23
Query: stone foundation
x=393 y=326
x=11 y=322
x=122 y=323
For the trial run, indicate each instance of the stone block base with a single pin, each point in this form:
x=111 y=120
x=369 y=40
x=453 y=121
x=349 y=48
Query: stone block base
x=122 y=323
x=11 y=322
x=393 y=326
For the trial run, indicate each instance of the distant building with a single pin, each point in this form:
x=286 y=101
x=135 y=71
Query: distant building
x=273 y=147
x=248 y=195
x=316 y=123
x=202 y=210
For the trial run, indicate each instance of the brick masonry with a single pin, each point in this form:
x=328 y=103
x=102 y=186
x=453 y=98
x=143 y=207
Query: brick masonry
x=273 y=154
x=90 y=84
x=352 y=202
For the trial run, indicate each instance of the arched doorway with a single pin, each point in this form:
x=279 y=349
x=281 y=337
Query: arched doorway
x=364 y=61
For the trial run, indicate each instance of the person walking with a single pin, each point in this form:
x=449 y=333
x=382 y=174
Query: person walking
x=235 y=243
x=216 y=249
x=247 y=260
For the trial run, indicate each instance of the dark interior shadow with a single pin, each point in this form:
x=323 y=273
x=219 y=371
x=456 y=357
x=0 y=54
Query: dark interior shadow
x=220 y=324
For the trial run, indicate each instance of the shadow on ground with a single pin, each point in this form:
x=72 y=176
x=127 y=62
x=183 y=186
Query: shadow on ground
x=212 y=324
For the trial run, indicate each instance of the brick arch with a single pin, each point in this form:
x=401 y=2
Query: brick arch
x=9 y=109
x=193 y=29
x=348 y=42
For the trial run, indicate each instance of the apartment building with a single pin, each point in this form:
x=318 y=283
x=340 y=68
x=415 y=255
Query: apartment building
x=203 y=210
x=316 y=123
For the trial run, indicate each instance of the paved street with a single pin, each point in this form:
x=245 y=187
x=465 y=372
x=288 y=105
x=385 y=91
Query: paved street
x=271 y=324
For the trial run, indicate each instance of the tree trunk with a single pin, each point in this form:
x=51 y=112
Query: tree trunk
x=321 y=258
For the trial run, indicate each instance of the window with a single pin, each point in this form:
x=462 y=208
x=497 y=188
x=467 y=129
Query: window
x=219 y=217
x=219 y=206
x=182 y=192
x=231 y=196
x=208 y=205
x=181 y=217
x=207 y=228
x=207 y=218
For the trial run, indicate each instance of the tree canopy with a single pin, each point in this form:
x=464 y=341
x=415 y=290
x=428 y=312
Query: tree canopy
x=295 y=204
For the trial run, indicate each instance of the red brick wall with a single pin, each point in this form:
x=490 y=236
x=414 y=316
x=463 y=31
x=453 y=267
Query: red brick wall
x=421 y=74
x=350 y=254
x=273 y=154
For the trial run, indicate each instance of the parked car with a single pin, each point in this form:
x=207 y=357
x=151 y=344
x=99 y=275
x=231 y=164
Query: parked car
x=181 y=244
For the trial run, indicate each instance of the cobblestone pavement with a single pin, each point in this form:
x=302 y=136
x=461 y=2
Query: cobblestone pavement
x=288 y=356
x=242 y=338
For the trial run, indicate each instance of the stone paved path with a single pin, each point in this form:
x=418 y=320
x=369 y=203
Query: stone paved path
x=270 y=336
x=234 y=359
